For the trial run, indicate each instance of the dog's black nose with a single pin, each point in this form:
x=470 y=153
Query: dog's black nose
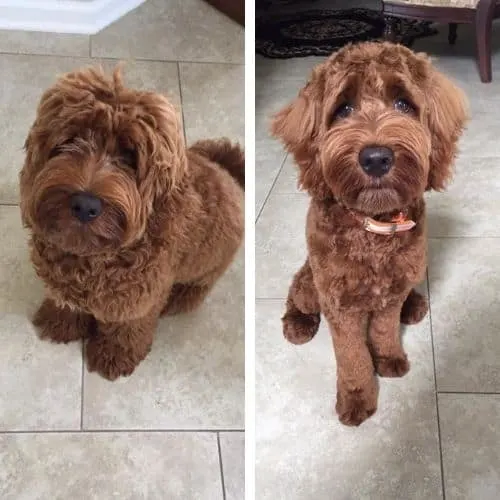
x=376 y=160
x=85 y=207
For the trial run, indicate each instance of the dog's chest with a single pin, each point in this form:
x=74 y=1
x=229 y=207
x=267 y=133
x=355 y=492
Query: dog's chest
x=86 y=284
x=368 y=271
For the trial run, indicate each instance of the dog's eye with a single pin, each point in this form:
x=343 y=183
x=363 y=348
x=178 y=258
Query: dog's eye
x=129 y=157
x=343 y=111
x=403 y=105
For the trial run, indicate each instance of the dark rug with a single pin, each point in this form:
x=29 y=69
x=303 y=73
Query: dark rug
x=321 y=32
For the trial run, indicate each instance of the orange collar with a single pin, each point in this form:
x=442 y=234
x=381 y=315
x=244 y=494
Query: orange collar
x=398 y=224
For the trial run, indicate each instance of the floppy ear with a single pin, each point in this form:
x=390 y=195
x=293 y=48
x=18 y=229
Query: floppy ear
x=448 y=114
x=162 y=141
x=297 y=125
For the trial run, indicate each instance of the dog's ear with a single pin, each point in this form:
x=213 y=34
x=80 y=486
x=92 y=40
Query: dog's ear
x=162 y=142
x=448 y=114
x=297 y=125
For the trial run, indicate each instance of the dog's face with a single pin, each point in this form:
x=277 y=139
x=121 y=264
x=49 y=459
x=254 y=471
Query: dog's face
x=375 y=127
x=100 y=161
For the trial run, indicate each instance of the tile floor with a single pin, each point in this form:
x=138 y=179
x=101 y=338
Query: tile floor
x=437 y=431
x=174 y=430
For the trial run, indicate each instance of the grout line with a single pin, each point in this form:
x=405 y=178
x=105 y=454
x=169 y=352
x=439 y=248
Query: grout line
x=9 y=204
x=221 y=467
x=463 y=237
x=82 y=386
x=479 y=393
x=90 y=46
x=271 y=189
x=182 y=103
x=121 y=58
x=121 y=431
x=435 y=388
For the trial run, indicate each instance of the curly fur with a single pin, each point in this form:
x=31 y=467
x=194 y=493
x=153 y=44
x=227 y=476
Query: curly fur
x=363 y=282
x=171 y=222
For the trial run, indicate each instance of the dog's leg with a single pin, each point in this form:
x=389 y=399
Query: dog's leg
x=414 y=308
x=118 y=348
x=302 y=315
x=357 y=389
x=389 y=357
x=61 y=325
x=184 y=298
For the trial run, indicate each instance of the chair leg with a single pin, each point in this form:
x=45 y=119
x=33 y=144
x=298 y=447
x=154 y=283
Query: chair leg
x=484 y=19
x=392 y=29
x=452 y=33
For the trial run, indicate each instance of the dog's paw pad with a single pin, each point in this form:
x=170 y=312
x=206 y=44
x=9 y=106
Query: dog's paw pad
x=300 y=328
x=392 y=367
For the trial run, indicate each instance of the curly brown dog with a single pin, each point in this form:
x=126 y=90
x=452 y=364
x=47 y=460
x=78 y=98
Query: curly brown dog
x=126 y=222
x=374 y=128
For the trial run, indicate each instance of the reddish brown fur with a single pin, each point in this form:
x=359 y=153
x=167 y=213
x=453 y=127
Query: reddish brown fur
x=171 y=223
x=362 y=281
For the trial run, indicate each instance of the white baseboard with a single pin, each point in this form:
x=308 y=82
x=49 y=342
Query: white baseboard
x=63 y=16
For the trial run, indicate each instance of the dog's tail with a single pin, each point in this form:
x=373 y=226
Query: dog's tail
x=229 y=156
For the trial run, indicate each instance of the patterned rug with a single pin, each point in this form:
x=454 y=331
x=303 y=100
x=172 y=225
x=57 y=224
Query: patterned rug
x=320 y=32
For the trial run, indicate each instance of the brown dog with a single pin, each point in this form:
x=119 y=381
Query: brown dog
x=375 y=127
x=126 y=223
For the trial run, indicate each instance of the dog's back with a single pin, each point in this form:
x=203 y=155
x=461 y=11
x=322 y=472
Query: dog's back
x=229 y=156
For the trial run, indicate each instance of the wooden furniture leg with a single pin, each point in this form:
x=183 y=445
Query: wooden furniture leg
x=452 y=33
x=484 y=19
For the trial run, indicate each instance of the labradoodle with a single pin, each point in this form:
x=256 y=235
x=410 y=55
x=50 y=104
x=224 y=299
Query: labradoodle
x=126 y=222
x=374 y=128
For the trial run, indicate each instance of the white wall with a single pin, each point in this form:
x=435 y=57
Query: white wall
x=63 y=16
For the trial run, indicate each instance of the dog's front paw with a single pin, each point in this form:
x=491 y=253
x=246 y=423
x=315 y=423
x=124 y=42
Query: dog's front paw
x=299 y=328
x=109 y=359
x=355 y=406
x=392 y=367
x=414 y=308
x=60 y=325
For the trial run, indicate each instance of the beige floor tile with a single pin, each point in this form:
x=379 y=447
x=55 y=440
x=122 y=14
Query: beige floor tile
x=304 y=453
x=464 y=280
x=192 y=379
x=463 y=71
x=34 y=42
x=213 y=101
x=157 y=76
x=273 y=95
x=177 y=30
x=233 y=464
x=40 y=383
x=470 y=439
x=469 y=206
x=280 y=246
x=480 y=137
x=296 y=68
x=269 y=156
x=277 y=83
x=287 y=180
x=128 y=466
x=26 y=77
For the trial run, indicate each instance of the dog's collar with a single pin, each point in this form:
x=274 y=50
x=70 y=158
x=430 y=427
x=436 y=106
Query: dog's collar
x=398 y=223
